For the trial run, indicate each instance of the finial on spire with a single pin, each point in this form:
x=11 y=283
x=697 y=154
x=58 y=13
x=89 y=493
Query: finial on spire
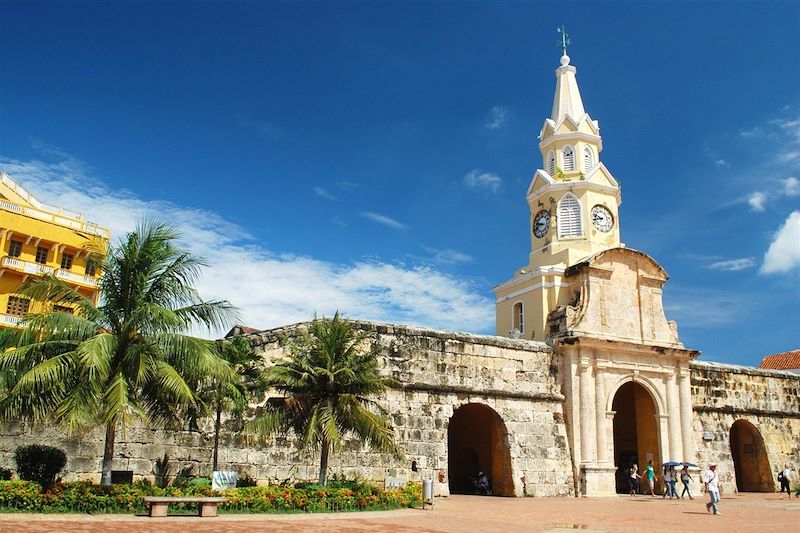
x=562 y=43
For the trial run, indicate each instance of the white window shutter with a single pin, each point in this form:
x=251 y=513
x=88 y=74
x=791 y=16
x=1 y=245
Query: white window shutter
x=569 y=159
x=569 y=217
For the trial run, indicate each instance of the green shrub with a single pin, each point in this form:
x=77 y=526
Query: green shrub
x=198 y=482
x=85 y=497
x=39 y=463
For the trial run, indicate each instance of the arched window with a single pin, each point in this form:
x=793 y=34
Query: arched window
x=569 y=159
x=551 y=162
x=569 y=217
x=588 y=159
x=519 y=317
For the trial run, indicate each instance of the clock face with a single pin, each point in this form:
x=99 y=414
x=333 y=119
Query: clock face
x=541 y=223
x=602 y=218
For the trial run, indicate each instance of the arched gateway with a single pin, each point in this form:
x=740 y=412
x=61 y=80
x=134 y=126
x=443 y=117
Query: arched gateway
x=635 y=431
x=750 y=462
x=477 y=441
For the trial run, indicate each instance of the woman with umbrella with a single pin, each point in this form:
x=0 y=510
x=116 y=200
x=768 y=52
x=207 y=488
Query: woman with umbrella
x=685 y=479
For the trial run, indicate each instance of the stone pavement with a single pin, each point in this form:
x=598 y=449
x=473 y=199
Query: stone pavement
x=742 y=513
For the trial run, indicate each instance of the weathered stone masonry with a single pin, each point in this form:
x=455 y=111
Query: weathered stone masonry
x=439 y=371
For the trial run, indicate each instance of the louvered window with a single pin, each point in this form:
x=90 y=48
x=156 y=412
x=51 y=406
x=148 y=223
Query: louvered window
x=569 y=217
x=588 y=159
x=569 y=158
x=551 y=163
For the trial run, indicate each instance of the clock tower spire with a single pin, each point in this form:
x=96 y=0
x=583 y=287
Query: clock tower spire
x=573 y=201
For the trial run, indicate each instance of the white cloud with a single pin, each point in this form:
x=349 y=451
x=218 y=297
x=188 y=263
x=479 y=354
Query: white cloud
x=477 y=179
x=791 y=186
x=383 y=219
x=270 y=288
x=322 y=193
x=783 y=253
x=757 y=201
x=450 y=257
x=498 y=116
x=733 y=265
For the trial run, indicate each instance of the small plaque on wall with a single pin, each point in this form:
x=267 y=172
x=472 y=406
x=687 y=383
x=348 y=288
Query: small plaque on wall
x=708 y=435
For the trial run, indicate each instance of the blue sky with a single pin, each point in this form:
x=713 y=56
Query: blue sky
x=374 y=156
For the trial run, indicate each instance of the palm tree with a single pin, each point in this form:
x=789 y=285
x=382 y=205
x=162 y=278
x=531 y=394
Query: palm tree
x=126 y=358
x=232 y=395
x=326 y=382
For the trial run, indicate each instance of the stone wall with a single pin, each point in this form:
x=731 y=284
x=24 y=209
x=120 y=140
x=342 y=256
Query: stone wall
x=767 y=399
x=439 y=372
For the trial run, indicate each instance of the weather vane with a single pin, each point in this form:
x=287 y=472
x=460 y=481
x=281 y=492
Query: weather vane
x=564 y=41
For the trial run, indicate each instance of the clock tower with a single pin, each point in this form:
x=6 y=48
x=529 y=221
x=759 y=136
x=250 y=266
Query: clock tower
x=573 y=202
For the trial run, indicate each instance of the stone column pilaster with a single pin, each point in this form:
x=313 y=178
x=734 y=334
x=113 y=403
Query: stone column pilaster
x=674 y=426
x=588 y=431
x=600 y=416
x=685 y=389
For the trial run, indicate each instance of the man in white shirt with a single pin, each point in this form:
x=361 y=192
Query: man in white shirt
x=711 y=481
x=783 y=478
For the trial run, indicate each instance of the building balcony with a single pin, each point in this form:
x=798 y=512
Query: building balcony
x=9 y=321
x=27 y=267
x=81 y=279
x=46 y=212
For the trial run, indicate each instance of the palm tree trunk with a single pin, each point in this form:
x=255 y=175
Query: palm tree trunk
x=323 y=463
x=108 y=453
x=216 y=437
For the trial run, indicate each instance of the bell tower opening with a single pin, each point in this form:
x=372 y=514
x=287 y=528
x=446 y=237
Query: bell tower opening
x=635 y=432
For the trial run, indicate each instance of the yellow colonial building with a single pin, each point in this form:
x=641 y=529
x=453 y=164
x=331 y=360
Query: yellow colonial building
x=573 y=202
x=37 y=239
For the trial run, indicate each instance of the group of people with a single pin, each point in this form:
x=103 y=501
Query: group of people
x=670 y=477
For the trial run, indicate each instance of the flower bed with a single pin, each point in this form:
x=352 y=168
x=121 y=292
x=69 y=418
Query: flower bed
x=85 y=497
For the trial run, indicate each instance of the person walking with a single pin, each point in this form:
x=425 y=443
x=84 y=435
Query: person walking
x=783 y=478
x=650 y=475
x=711 y=483
x=673 y=482
x=666 y=478
x=634 y=479
x=686 y=479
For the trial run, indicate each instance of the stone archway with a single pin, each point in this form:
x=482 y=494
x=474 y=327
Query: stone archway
x=636 y=431
x=477 y=440
x=750 y=461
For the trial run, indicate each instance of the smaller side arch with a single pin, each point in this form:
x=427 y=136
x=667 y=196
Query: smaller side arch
x=750 y=460
x=477 y=441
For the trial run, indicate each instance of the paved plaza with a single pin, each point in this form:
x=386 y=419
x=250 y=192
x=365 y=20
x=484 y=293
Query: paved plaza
x=742 y=513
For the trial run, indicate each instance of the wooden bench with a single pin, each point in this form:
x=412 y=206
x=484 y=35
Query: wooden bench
x=207 y=504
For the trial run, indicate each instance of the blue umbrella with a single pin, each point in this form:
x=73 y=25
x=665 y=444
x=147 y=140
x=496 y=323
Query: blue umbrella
x=672 y=463
x=688 y=464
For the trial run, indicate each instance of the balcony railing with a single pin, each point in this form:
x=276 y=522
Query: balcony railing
x=9 y=320
x=26 y=266
x=83 y=279
x=48 y=213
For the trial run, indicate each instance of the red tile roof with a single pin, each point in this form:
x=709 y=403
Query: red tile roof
x=240 y=330
x=782 y=361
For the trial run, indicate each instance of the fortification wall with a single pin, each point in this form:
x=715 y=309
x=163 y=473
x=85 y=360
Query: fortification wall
x=439 y=372
x=768 y=400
